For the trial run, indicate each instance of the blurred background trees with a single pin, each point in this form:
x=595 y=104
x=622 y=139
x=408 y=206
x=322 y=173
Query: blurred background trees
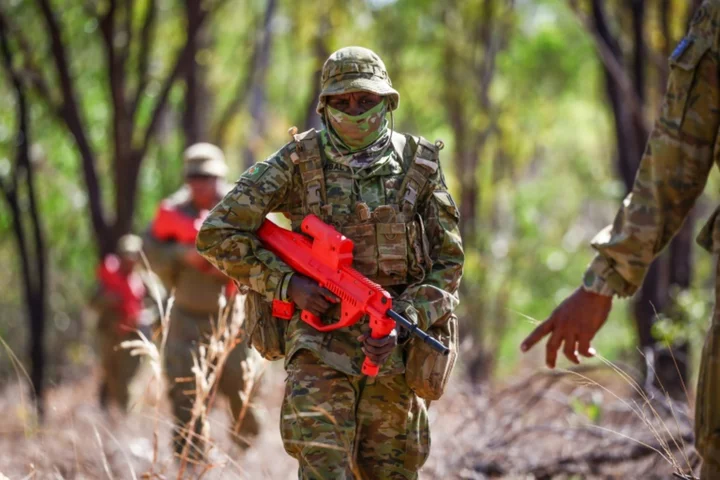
x=544 y=107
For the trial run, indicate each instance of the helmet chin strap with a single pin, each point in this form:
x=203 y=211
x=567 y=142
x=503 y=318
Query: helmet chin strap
x=392 y=124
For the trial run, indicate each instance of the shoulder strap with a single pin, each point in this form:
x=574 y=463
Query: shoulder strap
x=399 y=141
x=309 y=162
x=424 y=164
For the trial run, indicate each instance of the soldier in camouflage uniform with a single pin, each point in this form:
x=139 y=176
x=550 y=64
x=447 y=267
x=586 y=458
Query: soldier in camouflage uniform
x=118 y=366
x=386 y=192
x=199 y=292
x=672 y=174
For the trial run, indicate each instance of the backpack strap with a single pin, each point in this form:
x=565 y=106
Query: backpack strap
x=399 y=141
x=425 y=163
x=309 y=162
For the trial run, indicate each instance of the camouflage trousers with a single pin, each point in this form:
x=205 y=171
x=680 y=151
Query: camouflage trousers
x=339 y=426
x=187 y=332
x=118 y=369
x=707 y=407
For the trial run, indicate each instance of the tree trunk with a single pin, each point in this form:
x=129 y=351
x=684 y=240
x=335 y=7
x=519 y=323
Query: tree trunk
x=320 y=54
x=673 y=365
x=467 y=82
x=31 y=246
x=258 y=88
x=198 y=105
x=665 y=16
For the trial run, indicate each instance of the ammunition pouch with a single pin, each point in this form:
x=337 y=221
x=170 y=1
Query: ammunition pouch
x=427 y=371
x=266 y=333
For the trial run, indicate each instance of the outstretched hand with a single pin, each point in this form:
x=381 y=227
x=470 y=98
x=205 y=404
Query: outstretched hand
x=573 y=323
x=310 y=296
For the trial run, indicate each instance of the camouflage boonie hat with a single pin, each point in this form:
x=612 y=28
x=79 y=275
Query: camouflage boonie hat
x=129 y=244
x=356 y=69
x=204 y=159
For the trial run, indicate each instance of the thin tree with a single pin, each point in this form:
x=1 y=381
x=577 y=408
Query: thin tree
x=469 y=68
x=131 y=137
x=19 y=193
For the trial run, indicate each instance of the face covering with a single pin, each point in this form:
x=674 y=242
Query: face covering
x=357 y=132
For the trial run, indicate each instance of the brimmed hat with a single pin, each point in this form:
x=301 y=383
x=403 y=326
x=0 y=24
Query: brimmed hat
x=129 y=244
x=356 y=69
x=204 y=159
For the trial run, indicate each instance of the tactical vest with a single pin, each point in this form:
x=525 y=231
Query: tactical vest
x=391 y=246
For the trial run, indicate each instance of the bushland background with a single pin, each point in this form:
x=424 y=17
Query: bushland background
x=544 y=107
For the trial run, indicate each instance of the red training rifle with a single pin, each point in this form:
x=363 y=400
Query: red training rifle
x=327 y=259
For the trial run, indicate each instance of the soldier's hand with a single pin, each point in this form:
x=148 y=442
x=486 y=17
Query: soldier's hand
x=310 y=296
x=378 y=349
x=573 y=323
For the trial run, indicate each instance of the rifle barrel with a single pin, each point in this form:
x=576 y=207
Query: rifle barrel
x=415 y=330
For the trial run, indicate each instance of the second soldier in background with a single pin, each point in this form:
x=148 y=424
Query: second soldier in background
x=197 y=286
x=126 y=301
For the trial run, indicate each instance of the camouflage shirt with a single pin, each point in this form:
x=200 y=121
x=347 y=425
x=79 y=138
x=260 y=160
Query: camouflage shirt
x=674 y=168
x=227 y=240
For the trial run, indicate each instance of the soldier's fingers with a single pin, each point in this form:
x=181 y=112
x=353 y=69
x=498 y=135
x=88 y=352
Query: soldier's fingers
x=376 y=359
x=584 y=347
x=551 y=349
x=379 y=342
x=381 y=359
x=375 y=350
x=317 y=307
x=319 y=302
x=372 y=351
x=329 y=296
x=537 y=334
x=570 y=350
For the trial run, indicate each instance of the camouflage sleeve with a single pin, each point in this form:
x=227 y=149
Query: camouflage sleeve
x=675 y=166
x=437 y=295
x=227 y=237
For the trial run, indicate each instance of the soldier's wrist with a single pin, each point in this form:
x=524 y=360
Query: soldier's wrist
x=594 y=283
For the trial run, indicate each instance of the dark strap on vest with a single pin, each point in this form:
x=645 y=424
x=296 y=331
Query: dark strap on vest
x=424 y=164
x=307 y=157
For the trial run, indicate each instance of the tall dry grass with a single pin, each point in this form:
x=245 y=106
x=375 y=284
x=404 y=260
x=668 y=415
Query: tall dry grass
x=591 y=422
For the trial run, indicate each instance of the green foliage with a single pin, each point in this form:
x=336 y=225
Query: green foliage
x=590 y=408
x=546 y=179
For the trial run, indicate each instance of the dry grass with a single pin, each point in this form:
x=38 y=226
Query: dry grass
x=78 y=439
x=587 y=422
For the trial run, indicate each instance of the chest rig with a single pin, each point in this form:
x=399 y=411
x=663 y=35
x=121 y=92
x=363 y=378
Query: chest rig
x=391 y=246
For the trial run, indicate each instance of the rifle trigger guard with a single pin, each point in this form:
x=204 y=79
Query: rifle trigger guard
x=317 y=323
